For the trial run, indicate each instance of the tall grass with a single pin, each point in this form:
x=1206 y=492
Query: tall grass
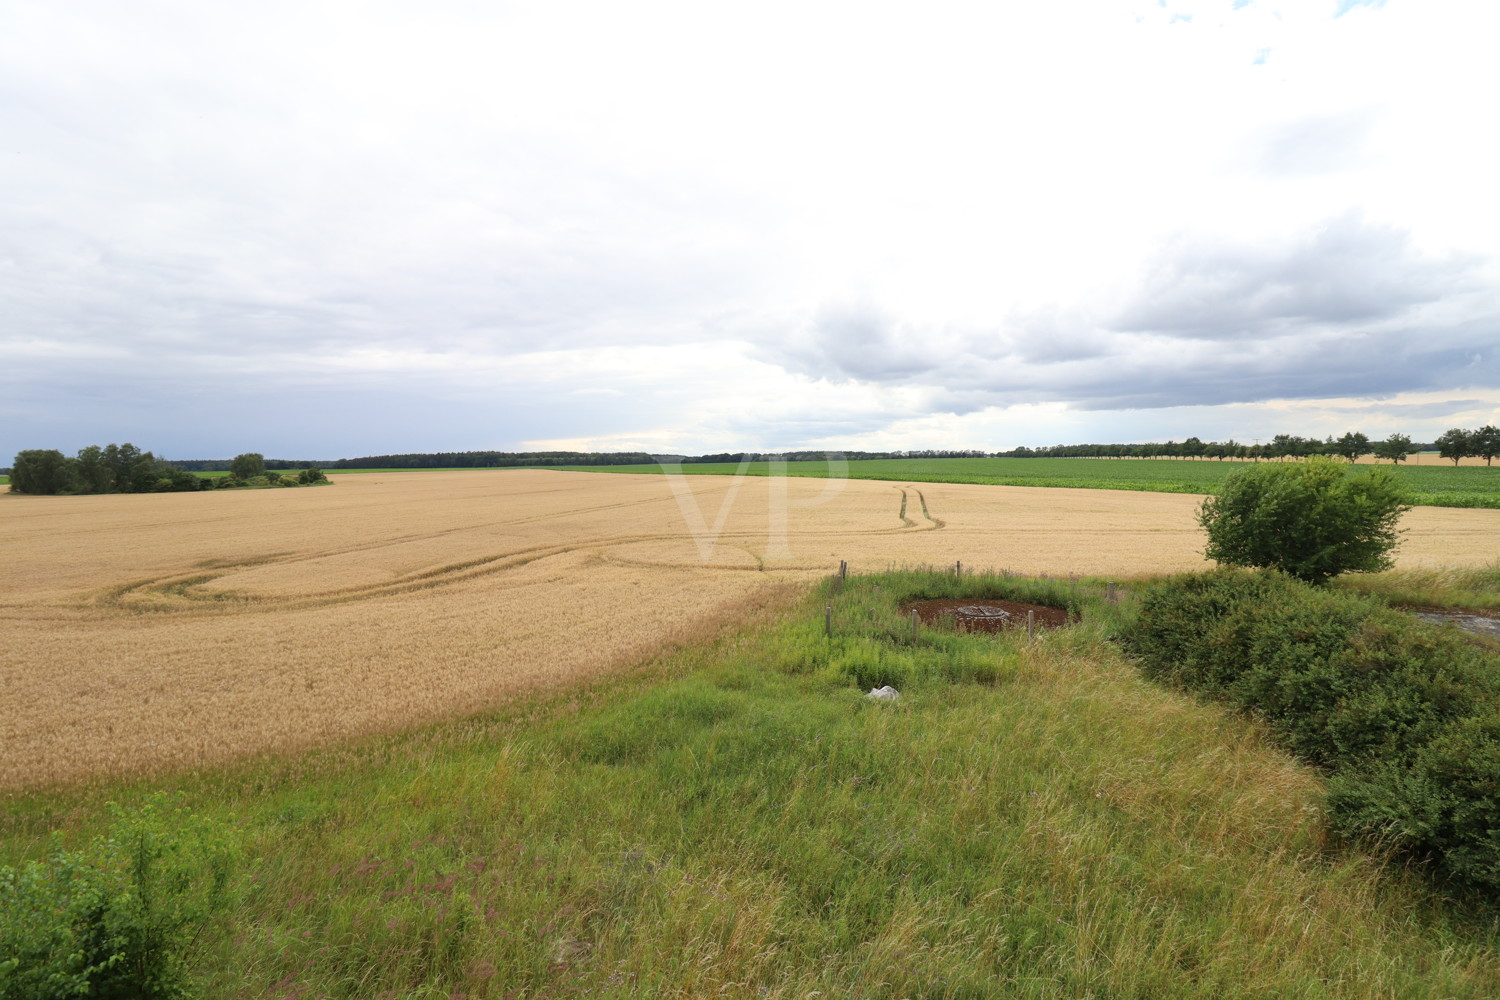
x=1027 y=820
x=1475 y=588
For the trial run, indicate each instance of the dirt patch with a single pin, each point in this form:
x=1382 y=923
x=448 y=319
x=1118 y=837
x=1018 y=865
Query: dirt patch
x=987 y=614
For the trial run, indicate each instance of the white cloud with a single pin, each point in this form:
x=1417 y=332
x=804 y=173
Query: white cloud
x=749 y=227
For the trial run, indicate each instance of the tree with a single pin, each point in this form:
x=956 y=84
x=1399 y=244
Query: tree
x=1353 y=445
x=248 y=465
x=1486 y=442
x=1396 y=448
x=1312 y=520
x=93 y=475
x=41 y=471
x=1455 y=444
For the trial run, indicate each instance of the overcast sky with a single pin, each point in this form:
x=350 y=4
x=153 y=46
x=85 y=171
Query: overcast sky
x=328 y=229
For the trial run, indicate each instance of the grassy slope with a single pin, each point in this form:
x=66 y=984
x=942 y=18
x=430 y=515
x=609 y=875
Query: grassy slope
x=1029 y=821
x=1432 y=485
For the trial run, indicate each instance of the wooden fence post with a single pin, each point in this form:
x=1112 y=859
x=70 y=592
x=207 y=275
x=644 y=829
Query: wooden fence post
x=828 y=621
x=1030 y=625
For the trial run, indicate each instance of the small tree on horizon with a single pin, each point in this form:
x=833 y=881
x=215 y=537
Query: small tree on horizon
x=1485 y=443
x=248 y=465
x=1396 y=448
x=1353 y=445
x=1455 y=444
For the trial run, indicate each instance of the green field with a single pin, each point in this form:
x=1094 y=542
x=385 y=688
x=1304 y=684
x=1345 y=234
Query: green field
x=1430 y=485
x=1028 y=820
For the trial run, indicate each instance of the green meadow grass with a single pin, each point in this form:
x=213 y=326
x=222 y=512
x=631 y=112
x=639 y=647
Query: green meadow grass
x=738 y=820
x=1430 y=485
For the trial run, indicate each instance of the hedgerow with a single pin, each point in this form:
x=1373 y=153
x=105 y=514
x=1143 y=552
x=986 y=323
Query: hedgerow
x=1404 y=715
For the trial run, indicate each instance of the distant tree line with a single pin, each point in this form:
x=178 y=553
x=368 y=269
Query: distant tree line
x=543 y=459
x=148 y=473
x=818 y=456
x=490 y=459
x=124 y=468
x=1396 y=448
x=226 y=464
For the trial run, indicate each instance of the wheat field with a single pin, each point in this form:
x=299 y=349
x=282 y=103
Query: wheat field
x=173 y=631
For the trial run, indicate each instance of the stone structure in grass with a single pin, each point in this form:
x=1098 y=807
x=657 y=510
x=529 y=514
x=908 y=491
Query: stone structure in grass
x=988 y=614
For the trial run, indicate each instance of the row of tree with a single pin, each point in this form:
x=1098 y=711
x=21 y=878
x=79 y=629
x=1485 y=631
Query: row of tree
x=124 y=468
x=1458 y=444
x=1351 y=446
x=1455 y=445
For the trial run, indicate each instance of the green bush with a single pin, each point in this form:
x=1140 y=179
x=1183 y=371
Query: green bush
x=1310 y=519
x=1407 y=715
x=1443 y=803
x=118 y=919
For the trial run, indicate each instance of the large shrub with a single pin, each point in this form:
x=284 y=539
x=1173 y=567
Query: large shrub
x=119 y=918
x=1310 y=519
x=1406 y=715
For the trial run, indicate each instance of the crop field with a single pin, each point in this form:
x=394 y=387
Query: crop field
x=1431 y=484
x=177 y=630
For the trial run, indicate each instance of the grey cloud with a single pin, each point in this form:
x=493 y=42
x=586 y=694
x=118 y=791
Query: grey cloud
x=1345 y=271
x=1349 y=309
x=858 y=341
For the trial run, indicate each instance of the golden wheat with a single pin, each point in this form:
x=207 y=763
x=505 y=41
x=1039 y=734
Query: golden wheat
x=179 y=630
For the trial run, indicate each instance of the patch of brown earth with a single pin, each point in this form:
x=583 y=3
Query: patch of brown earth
x=987 y=614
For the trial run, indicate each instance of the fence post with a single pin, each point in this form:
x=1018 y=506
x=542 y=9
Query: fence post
x=828 y=621
x=913 y=624
x=1030 y=625
x=958 y=569
x=1110 y=597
